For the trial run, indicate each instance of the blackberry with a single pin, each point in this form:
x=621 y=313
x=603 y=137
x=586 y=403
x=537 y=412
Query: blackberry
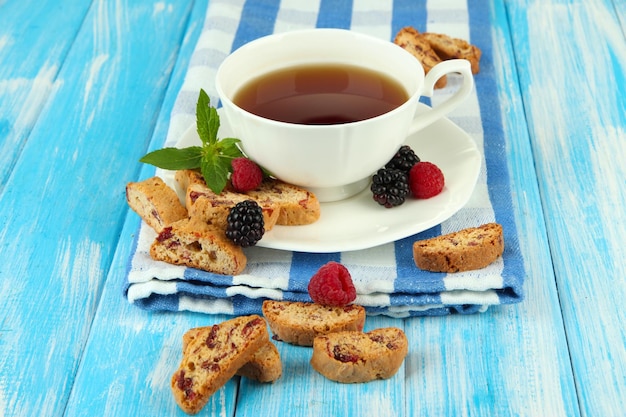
x=390 y=187
x=245 y=223
x=403 y=160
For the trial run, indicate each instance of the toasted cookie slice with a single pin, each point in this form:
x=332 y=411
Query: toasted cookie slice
x=410 y=40
x=360 y=357
x=212 y=355
x=467 y=249
x=213 y=208
x=264 y=366
x=299 y=323
x=186 y=177
x=194 y=243
x=447 y=47
x=282 y=203
x=156 y=203
x=297 y=205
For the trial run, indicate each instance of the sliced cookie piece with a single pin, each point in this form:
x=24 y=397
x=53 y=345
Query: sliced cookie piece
x=213 y=208
x=194 y=243
x=156 y=203
x=411 y=41
x=282 y=203
x=352 y=356
x=212 y=356
x=264 y=366
x=447 y=47
x=297 y=205
x=299 y=323
x=186 y=177
x=467 y=249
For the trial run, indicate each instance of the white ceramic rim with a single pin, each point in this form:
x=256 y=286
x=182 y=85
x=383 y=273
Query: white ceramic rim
x=408 y=62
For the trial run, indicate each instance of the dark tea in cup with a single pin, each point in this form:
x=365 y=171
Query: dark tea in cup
x=321 y=94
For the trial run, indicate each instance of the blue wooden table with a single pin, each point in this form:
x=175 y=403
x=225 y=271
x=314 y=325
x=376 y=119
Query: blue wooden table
x=87 y=88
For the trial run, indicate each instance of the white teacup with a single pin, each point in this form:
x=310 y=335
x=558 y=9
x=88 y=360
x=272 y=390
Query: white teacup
x=334 y=161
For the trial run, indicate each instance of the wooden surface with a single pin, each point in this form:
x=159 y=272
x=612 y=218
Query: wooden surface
x=86 y=89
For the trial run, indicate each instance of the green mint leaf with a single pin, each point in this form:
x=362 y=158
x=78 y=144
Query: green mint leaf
x=174 y=158
x=215 y=170
x=214 y=124
x=227 y=142
x=213 y=158
x=207 y=119
x=266 y=172
x=228 y=148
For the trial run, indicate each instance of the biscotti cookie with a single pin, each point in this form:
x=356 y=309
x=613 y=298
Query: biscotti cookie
x=213 y=208
x=467 y=249
x=186 y=177
x=264 y=366
x=156 y=203
x=297 y=205
x=360 y=357
x=410 y=40
x=196 y=244
x=299 y=323
x=447 y=47
x=212 y=356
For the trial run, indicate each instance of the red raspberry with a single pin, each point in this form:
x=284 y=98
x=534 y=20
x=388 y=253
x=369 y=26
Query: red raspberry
x=332 y=285
x=246 y=176
x=425 y=180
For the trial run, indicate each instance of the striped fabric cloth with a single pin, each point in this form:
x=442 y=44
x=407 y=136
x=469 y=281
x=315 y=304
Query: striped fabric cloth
x=385 y=276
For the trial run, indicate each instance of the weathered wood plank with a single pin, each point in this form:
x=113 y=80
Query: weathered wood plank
x=146 y=346
x=27 y=76
x=620 y=9
x=572 y=61
x=62 y=208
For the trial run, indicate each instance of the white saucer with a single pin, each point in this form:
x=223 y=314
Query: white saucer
x=359 y=222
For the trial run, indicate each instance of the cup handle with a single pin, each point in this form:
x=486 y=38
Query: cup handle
x=461 y=66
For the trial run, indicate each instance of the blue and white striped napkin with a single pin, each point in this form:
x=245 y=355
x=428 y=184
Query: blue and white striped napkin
x=387 y=280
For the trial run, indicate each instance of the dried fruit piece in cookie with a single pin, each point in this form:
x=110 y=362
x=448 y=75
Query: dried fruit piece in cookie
x=332 y=285
x=212 y=356
x=360 y=357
